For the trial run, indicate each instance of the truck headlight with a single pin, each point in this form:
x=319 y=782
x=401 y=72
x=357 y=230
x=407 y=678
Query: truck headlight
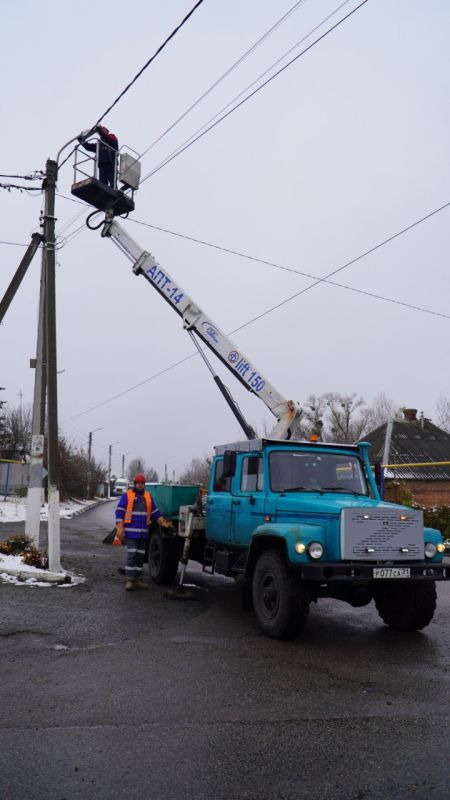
x=315 y=550
x=440 y=547
x=300 y=548
x=430 y=549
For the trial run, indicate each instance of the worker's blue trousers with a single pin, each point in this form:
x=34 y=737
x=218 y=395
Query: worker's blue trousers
x=135 y=557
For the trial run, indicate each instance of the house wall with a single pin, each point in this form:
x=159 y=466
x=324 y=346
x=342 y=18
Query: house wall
x=426 y=493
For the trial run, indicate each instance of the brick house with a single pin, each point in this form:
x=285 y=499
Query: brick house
x=413 y=441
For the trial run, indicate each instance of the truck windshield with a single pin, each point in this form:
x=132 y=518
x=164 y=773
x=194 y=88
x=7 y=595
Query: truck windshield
x=292 y=471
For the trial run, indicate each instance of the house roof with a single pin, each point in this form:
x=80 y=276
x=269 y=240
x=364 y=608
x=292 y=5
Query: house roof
x=412 y=441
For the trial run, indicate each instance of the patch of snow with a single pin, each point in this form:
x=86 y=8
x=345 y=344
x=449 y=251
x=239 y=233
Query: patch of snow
x=14 y=509
x=11 y=564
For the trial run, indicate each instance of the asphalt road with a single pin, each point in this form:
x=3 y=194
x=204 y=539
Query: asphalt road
x=108 y=694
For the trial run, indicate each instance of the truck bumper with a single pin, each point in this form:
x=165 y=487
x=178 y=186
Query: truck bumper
x=327 y=573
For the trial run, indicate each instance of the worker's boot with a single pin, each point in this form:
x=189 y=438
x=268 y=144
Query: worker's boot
x=140 y=584
x=129 y=585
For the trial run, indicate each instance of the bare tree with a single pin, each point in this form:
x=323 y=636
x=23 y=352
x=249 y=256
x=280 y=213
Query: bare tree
x=17 y=430
x=197 y=472
x=382 y=410
x=312 y=420
x=138 y=465
x=348 y=417
x=443 y=413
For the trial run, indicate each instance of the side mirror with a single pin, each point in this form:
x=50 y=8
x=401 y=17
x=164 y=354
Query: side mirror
x=229 y=464
x=379 y=478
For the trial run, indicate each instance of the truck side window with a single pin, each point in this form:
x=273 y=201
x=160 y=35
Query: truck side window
x=252 y=474
x=221 y=484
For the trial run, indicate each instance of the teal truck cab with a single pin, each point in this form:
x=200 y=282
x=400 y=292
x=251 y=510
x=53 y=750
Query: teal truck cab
x=292 y=521
x=295 y=521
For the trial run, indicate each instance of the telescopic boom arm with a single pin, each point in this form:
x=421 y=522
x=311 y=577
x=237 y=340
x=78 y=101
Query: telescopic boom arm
x=196 y=321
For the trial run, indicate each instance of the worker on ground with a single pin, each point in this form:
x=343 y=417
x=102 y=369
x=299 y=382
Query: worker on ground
x=135 y=512
x=107 y=153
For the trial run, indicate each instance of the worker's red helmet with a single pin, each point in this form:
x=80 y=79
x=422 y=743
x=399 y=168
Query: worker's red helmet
x=139 y=478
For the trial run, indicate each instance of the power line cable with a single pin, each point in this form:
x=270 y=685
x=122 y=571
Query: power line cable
x=188 y=142
x=227 y=72
x=16 y=244
x=196 y=138
x=192 y=140
x=36 y=175
x=10 y=186
x=308 y=274
x=146 y=65
x=284 y=267
x=273 y=308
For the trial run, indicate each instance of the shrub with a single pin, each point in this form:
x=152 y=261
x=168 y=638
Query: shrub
x=22 y=545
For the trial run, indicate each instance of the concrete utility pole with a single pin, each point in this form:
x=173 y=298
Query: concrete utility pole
x=35 y=496
x=54 y=538
x=5 y=303
x=109 y=467
x=88 y=488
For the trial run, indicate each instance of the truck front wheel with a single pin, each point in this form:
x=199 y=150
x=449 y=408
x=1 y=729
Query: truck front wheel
x=406 y=607
x=280 y=604
x=163 y=557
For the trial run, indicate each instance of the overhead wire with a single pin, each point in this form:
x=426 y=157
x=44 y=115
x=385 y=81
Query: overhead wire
x=316 y=279
x=146 y=65
x=286 y=268
x=36 y=175
x=274 y=308
x=10 y=186
x=16 y=244
x=191 y=140
x=227 y=72
x=256 y=44
x=195 y=138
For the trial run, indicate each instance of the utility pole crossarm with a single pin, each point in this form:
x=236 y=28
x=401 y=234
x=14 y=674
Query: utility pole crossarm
x=195 y=320
x=19 y=275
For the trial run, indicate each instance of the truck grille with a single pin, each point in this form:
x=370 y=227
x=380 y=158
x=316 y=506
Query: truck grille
x=381 y=534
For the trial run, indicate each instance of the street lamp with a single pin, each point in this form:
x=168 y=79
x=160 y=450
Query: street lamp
x=88 y=485
x=109 y=468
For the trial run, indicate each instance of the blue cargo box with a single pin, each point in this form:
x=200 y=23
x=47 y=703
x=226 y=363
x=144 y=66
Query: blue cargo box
x=170 y=498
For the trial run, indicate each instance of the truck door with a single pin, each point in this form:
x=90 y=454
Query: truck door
x=248 y=498
x=218 y=505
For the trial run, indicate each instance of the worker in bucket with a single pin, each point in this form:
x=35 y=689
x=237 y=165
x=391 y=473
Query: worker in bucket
x=135 y=512
x=107 y=152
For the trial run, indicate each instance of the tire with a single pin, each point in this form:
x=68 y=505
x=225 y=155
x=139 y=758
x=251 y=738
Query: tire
x=163 y=557
x=280 y=604
x=407 y=607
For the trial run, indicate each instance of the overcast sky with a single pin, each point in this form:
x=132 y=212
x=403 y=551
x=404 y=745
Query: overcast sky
x=345 y=148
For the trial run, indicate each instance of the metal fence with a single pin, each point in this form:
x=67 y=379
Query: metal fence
x=14 y=478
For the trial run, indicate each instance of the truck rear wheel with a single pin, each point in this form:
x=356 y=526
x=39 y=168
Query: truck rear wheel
x=280 y=605
x=163 y=557
x=406 y=607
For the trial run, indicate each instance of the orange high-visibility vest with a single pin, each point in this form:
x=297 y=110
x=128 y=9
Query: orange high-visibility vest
x=130 y=502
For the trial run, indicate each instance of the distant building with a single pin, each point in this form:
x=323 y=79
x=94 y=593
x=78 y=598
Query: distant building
x=413 y=440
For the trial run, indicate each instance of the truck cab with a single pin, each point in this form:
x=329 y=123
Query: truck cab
x=298 y=520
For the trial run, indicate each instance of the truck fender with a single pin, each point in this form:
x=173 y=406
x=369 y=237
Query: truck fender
x=283 y=537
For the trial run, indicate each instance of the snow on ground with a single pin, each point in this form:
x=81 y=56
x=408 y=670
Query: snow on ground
x=14 y=509
x=29 y=576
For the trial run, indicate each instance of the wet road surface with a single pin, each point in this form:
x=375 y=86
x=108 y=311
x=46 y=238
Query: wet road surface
x=109 y=694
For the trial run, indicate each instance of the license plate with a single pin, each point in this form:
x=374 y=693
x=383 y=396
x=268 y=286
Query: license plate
x=391 y=572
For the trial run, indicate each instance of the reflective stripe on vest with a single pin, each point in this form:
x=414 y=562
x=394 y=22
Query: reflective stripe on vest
x=130 y=502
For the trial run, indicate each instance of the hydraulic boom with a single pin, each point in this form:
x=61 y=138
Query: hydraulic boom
x=196 y=321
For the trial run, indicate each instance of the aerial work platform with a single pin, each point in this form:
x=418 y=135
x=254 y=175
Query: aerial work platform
x=103 y=197
x=87 y=185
